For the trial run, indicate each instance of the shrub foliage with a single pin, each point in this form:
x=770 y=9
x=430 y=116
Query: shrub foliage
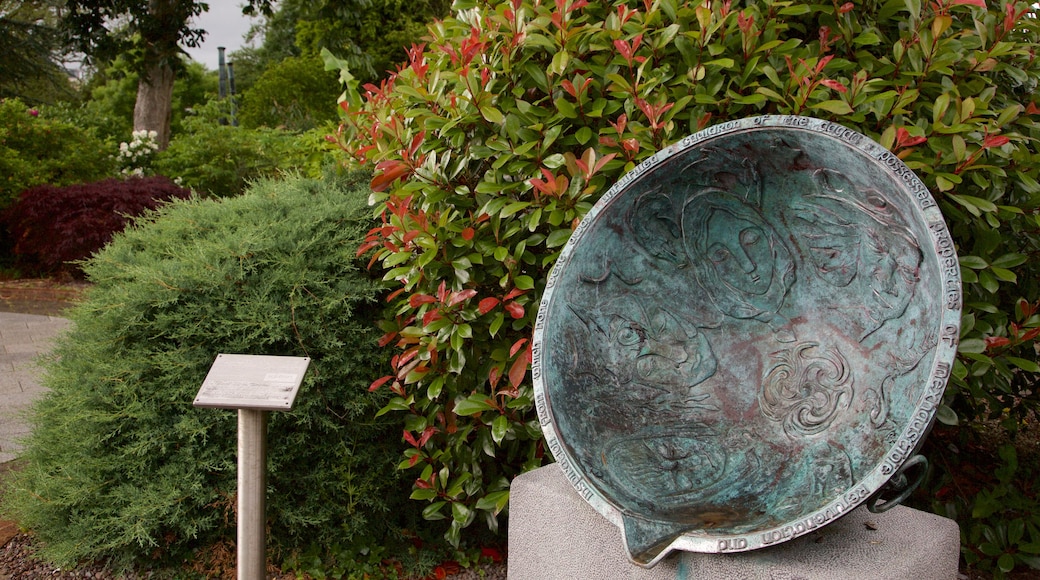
x=37 y=150
x=498 y=134
x=119 y=462
x=52 y=227
x=220 y=160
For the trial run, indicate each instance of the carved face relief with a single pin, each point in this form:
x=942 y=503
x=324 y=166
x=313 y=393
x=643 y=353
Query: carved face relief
x=740 y=252
x=739 y=259
x=893 y=275
x=652 y=348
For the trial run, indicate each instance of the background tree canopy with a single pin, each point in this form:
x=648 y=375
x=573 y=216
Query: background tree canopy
x=30 y=43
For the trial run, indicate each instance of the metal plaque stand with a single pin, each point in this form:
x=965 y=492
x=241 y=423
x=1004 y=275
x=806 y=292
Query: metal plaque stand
x=253 y=385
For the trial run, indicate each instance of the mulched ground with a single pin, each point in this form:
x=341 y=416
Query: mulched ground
x=39 y=296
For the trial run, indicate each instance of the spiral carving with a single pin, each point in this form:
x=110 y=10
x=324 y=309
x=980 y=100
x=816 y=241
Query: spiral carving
x=806 y=389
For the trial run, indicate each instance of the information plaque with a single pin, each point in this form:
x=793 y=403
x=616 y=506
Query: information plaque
x=243 y=381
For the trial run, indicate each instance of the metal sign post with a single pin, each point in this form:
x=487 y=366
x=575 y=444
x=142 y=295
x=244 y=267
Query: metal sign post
x=253 y=385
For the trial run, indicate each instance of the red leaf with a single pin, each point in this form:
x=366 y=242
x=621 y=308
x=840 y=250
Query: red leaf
x=995 y=141
x=494 y=376
x=392 y=170
x=462 y=296
x=430 y=317
x=411 y=441
x=834 y=85
x=367 y=246
x=487 y=305
x=514 y=293
x=516 y=346
x=386 y=338
x=416 y=141
x=823 y=62
x=1026 y=308
x=515 y=310
x=417 y=300
x=407 y=356
x=467 y=234
x=518 y=371
x=846 y=7
x=905 y=139
x=996 y=342
x=493 y=553
x=426 y=434
x=1032 y=109
x=395 y=294
x=379 y=382
x=1031 y=334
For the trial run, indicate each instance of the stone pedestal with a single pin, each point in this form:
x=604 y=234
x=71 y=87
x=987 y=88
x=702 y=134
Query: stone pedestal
x=554 y=534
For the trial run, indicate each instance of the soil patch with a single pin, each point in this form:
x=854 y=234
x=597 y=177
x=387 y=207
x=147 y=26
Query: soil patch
x=42 y=296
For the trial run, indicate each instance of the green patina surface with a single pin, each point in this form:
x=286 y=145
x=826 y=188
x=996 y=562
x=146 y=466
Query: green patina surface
x=747 y=336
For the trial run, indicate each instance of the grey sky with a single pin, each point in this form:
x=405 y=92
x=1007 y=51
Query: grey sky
x=225 y=26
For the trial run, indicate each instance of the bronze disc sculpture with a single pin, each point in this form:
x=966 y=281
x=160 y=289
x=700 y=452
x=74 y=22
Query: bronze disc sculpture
x=748 y=336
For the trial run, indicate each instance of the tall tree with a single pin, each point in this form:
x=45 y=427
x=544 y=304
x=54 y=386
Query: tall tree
x=151 y=32
x=30 y=68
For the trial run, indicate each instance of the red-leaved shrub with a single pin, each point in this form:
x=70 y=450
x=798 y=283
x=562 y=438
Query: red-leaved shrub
x=52 y=227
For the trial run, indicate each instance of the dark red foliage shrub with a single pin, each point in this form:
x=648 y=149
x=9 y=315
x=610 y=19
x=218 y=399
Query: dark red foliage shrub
x=50 y=227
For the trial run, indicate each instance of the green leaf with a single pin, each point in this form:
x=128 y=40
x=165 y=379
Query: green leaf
x=524 y=282
x=973 y=262
x=495 y=501
x=797 y=9
x=559 y=62
x=558 y=238
x=433 y=511
x=476 y=403
x=974 y=204
x=866 y=39
x=492 y=114
x=988 y=281
x=972 y=345
x=946 y=415
x=396 y=404
x=584 y=135
x=460 y=513
x=1010 y=260
x=1004 y=274
x=499 y=427
x=1024 y=364
x=1006 y=562
x=423 y=494
x=513 y=208
x=836 y=107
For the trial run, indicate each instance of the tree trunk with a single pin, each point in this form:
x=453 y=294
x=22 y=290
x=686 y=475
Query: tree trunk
x=154 y=105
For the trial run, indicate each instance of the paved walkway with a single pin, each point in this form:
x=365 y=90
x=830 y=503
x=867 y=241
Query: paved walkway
x=23 y=337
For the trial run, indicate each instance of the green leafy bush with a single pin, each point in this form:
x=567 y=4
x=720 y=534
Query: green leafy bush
x=296 y=94
x=52 y=227
x=498 y=135
x=221 y=160
x=120 y=464
x=36 y=150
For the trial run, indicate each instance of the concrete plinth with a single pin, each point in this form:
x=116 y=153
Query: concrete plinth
x=554 y=534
